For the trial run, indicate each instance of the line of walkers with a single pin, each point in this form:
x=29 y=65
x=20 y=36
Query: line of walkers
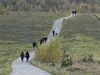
x=34 y=44
x=55 y=32
x=26 y=55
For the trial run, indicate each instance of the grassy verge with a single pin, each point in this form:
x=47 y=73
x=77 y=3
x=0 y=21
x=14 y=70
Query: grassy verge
x=18 y=30
x=81 y=37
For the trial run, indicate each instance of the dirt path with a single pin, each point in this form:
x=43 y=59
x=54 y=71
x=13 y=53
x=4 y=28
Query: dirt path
x=19 y=68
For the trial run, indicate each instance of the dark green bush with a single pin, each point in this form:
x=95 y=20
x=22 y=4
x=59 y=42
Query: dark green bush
x=88 y=58
x=67 y=61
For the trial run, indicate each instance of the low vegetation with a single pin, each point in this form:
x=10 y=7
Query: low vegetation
x=18 y=30
x=82 y=41
x=51 y=5
x=50 y=53
x=80 y=44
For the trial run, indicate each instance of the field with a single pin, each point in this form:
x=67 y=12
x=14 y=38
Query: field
x=82 y=33
x=81 y=38
x=18 y=30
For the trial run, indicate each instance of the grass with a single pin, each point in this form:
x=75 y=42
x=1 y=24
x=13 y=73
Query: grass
x=18 y=30
x=82 y=34
x=81 y=37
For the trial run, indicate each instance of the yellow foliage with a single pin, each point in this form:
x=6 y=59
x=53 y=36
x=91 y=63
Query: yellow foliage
x=50 y=52
x=41 y=52
x=54 y=50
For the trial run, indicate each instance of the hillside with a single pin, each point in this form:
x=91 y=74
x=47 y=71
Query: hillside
x=80 y=44
x=81 y=38
x=17 y=32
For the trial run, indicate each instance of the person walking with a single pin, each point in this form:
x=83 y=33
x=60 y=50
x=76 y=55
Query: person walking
x=27 y=56
x=53 y=33
x=34 y=46
x=22 y=56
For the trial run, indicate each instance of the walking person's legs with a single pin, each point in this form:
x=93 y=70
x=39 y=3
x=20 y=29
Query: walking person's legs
x=22 y=56
x=22 y=59
x=53 y=33
x=56 y=34
x=27 y=56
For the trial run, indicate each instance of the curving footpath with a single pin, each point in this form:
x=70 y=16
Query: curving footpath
x=19 y=68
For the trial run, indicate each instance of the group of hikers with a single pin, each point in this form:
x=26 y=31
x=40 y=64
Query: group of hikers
x=42 y=40
x=26 y=55
x=74 y=13
x=34 y=44
x=55 y=32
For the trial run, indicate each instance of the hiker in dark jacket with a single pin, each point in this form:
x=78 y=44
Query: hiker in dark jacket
x=22 y=56
x=34 y=45
x=41 y=41
x=53 y=33
x=27 y=56
x=45 y=39
x=74 y=13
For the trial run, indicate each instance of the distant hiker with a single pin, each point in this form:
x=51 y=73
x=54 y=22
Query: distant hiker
x=22 y=56
x=41 y=41
x=34 y=45
x=74 y=13
x=27 y=56
x=53 y=33
x=45 y=39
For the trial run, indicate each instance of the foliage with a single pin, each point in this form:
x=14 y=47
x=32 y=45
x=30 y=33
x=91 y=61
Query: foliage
x=41 y=53
x=47 y=5
x=18 y=30
x=6 y=70
x=67 y=61
x=54 y=51
x=82 y=36
x=81 y=40
x=88 y=58
x=50 y=52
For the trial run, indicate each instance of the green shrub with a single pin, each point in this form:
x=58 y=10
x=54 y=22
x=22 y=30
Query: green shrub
x=67 y=61
x=88 y=58
x=50 y=53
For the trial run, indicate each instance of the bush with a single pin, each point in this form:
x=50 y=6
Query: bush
x=88 y=58
x=50 y=53
x=41 y=53
x=67 y=61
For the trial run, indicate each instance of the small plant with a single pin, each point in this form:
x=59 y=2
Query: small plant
x=88 y=58
x=50 y=53
x=67 y=60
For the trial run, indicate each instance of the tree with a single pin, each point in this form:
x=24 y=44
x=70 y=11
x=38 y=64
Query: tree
x=50 y=53
x=54 y=51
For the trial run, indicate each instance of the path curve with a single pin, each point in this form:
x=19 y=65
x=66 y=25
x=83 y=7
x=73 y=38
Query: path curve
x=19 y=68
